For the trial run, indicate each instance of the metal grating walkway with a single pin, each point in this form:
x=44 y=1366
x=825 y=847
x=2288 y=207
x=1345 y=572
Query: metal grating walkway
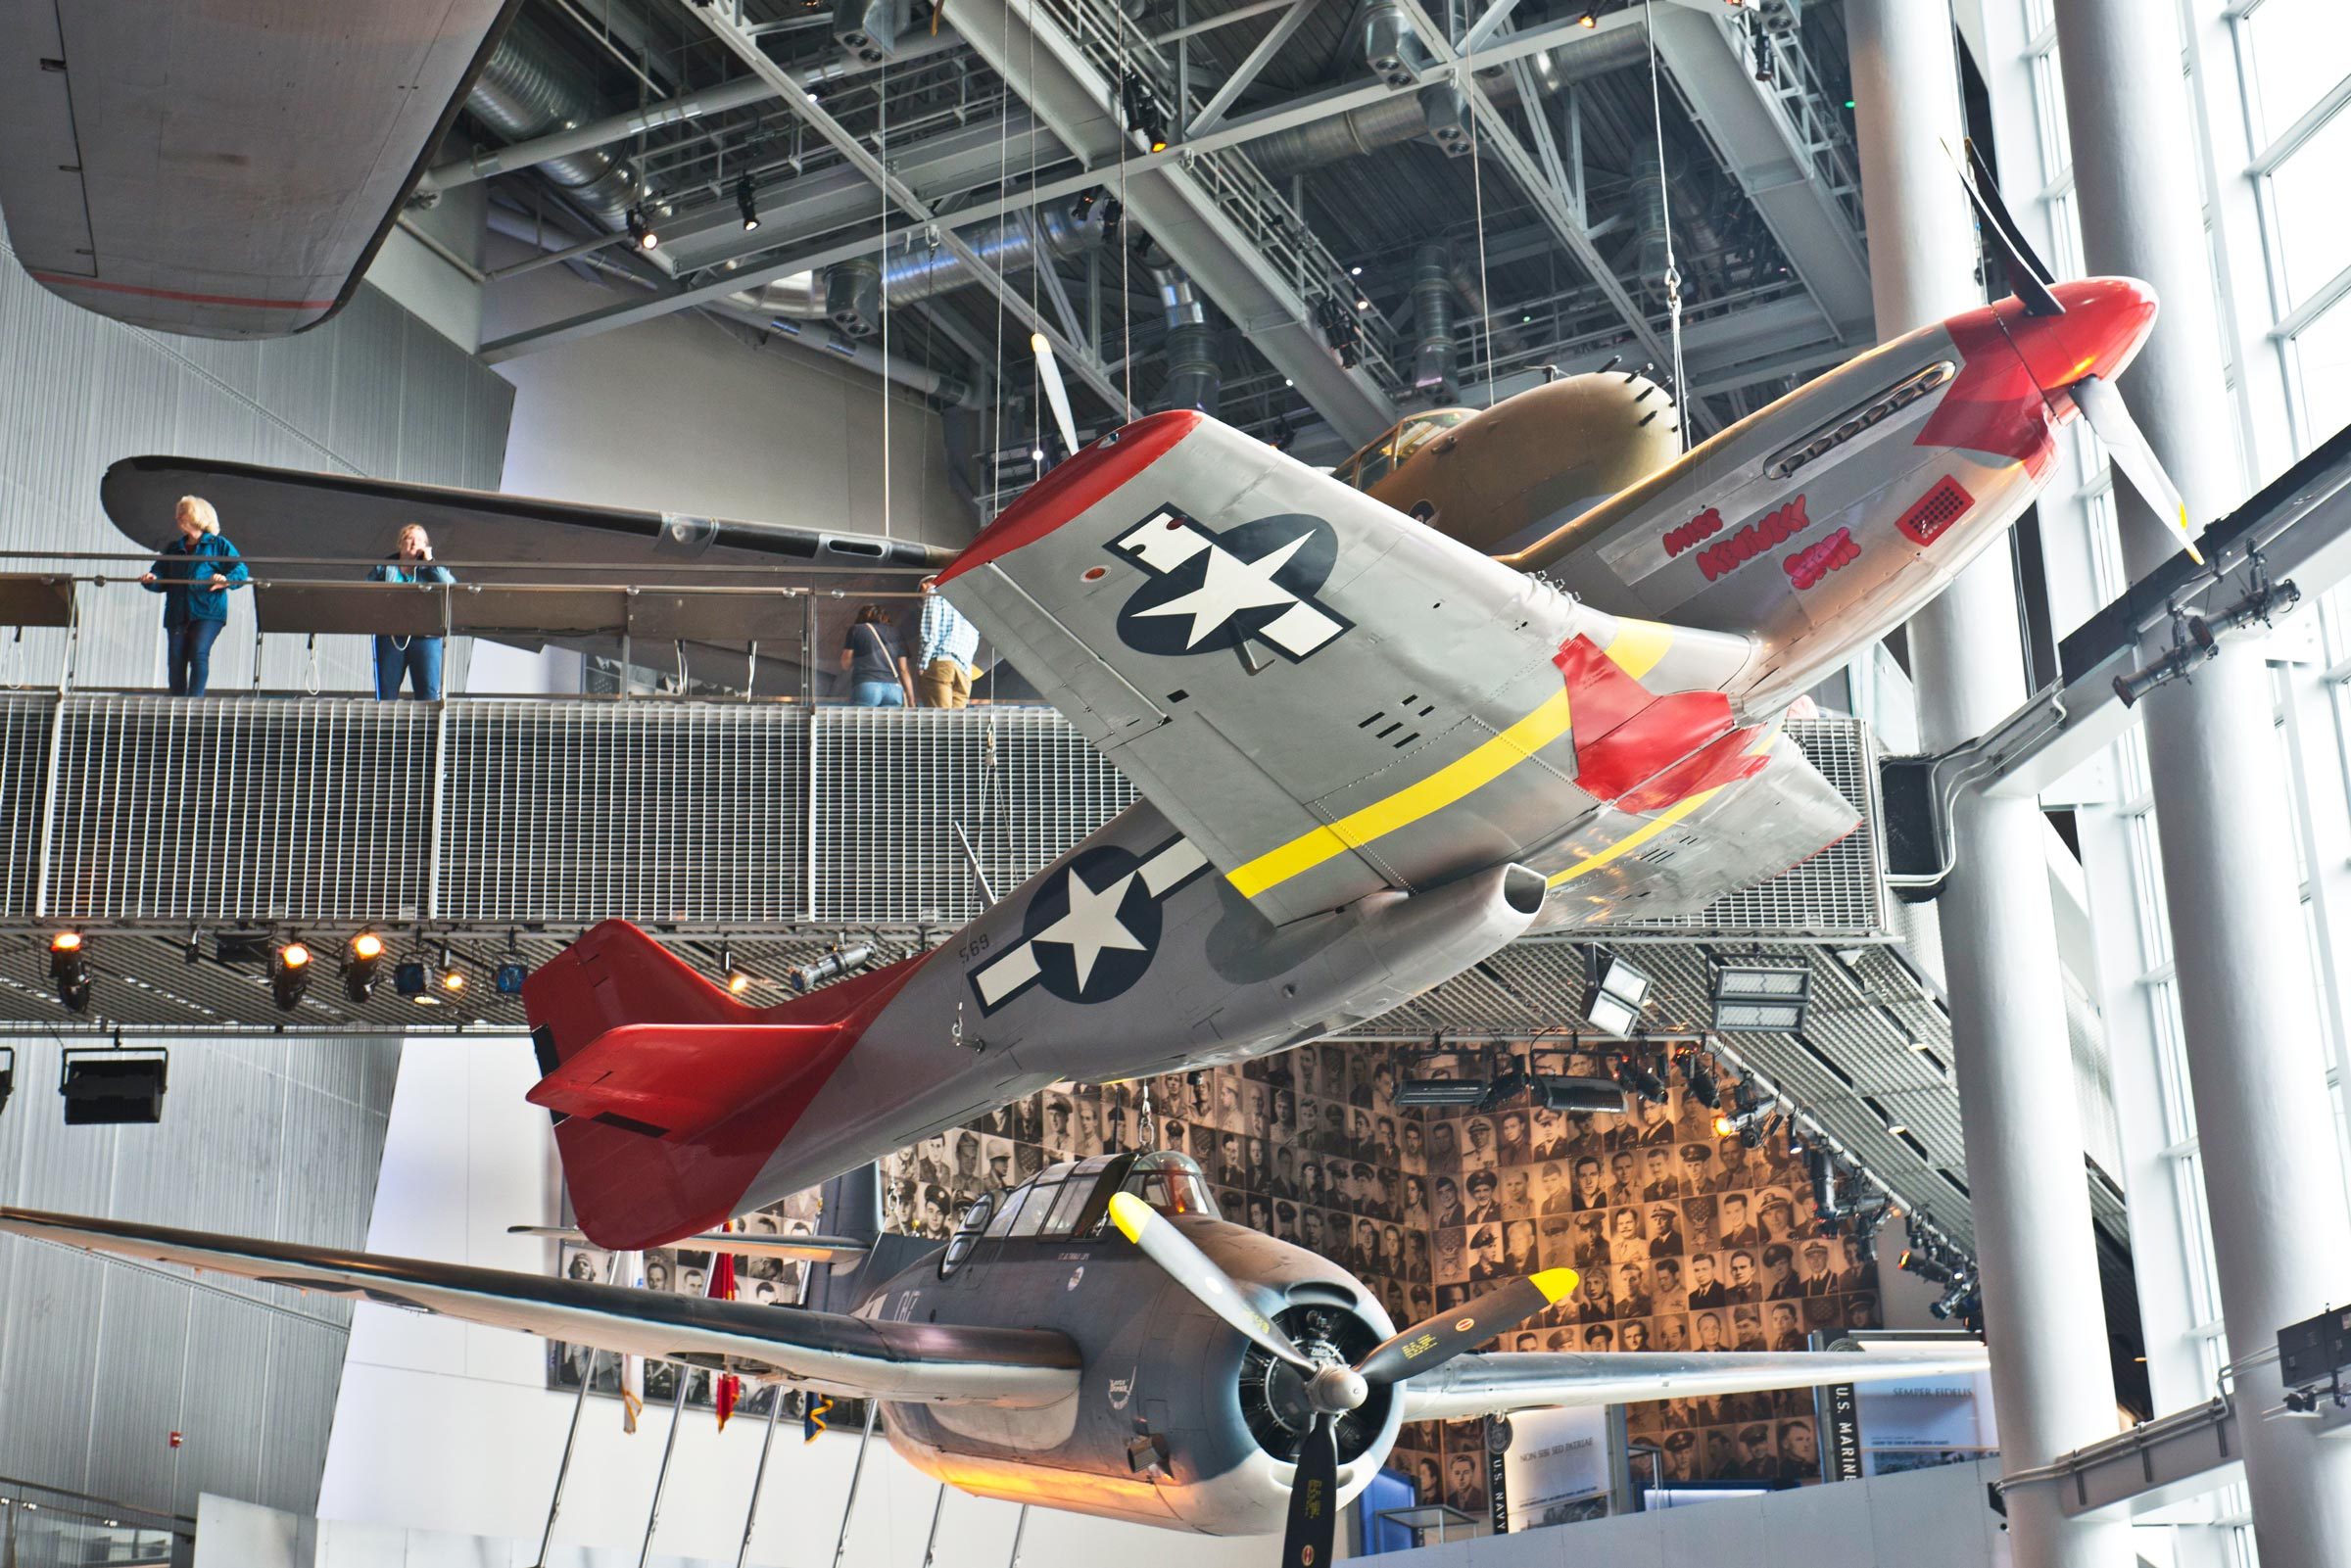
x=748 y=819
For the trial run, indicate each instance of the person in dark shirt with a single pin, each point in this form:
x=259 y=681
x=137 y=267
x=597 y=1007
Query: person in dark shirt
x=194 y=575
x=875 y=662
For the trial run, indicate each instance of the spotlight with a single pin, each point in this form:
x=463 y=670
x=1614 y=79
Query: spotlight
x=1640 y=1081
x=1615 y=1004
x=841 y=961
x=1142 y=114
x=738 y=982
x=114 y=1087
x=640 y=231
x=1699 y=1073
x=1586 y=1095
x=1724 y=1127
x=506 y=979
x=68 y=968
x=289 y=976
x=8 y=1073
x=363 y=958
x=746 y=201
x=1758 y=995
x=453 y=980
x=1822 y=1169
x=1590 y=18
x=408 y=978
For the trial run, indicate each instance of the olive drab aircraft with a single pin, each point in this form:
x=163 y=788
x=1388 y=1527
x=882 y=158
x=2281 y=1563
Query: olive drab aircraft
x=1096 y=1339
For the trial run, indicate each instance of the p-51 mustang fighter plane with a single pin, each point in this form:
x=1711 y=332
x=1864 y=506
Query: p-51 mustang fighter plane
x=1207 y=1378
x=1372 y=754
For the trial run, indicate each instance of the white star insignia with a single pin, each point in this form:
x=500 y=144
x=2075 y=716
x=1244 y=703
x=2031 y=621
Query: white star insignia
x=1091 y=927
x=1230 y=587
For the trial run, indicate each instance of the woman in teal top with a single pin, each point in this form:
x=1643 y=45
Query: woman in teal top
x=194 y=575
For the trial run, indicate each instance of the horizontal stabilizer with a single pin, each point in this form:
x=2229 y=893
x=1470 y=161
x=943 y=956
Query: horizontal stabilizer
x=668 y=1093
x=679 y=1080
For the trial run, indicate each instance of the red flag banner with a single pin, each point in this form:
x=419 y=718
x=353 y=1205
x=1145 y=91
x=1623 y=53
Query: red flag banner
x=722 y=1287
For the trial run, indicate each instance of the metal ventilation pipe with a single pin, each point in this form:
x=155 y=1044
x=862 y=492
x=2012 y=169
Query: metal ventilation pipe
x=1432 y=320
x=1649 y=213
x=1194 y=379
x=1392 y=45
x=527 y=91
x=850 y=293
x=1403 y=117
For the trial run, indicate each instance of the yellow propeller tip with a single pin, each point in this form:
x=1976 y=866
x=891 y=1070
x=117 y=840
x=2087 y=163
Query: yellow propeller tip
x=1129 y=1213
x=1555 y=1284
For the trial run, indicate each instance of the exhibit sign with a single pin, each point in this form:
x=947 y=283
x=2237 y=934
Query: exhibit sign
x=1555 y=1471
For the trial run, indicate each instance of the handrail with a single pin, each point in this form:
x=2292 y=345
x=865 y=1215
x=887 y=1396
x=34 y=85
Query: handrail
x=14 y=1488
x=38 y=560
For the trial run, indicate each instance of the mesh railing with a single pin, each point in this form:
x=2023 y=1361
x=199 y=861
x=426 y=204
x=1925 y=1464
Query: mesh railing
x=482 y=813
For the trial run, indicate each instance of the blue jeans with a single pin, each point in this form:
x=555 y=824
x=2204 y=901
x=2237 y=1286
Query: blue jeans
x=188 y=655
x=419 y=661
x=876 y=694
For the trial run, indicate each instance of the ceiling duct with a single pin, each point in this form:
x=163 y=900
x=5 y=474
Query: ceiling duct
x=868 y=29
x=1193 y=379
x=530 y=88
x=1392 y=45
x=1403 y=117
x=1432 y=321
x=850 y=294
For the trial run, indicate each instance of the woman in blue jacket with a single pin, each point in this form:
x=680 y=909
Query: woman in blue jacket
x=194 y=575
x=418 y=658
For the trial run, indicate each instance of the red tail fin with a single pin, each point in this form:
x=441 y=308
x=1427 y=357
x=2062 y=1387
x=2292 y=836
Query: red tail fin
x=669 y=1093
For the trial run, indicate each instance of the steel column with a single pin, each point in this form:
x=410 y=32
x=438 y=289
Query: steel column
x=2052 y=1383
x=669 y=1446
x=751 y=1515
x=848 y=1505
x=2273 y=1180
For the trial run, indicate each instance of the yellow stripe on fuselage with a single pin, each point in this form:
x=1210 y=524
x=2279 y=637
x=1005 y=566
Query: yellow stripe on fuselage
x=1636 y=839
x=1636 y=648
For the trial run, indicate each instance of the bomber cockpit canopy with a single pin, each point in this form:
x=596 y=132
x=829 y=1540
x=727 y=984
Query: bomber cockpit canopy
x=1073 y=1198
x=1375 y=462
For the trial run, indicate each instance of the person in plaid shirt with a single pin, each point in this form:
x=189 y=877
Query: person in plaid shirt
x=948 y=644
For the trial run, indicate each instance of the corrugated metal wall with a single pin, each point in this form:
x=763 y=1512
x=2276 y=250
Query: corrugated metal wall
x=100 y=1363
x=374 y=392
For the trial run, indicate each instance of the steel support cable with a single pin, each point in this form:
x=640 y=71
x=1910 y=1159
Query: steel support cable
x=1673 y=275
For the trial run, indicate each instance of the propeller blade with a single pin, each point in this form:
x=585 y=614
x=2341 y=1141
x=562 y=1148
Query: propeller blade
x=1048 y=369
x=2126 y=446
x=1193 y=1269
x=1439 y=1339
x=2027 y=275
x=1313 y=1498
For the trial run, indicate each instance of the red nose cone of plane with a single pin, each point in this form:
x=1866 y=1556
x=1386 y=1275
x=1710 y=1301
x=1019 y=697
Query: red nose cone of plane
x=2105 y=321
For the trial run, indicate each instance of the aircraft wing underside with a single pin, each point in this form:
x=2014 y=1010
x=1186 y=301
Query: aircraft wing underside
x=1495 y=1384
x=1327 y=696
x=925 y=1363
x=225 y=169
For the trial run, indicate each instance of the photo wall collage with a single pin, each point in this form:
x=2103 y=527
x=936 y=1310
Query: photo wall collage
x=1684 y=1241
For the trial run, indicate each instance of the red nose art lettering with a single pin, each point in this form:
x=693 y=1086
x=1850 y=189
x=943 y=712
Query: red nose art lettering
x=1705 y=525
x=1767 y=532
x=1807 y=566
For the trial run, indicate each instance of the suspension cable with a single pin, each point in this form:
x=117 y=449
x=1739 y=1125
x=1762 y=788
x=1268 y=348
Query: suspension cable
x=1673 y=275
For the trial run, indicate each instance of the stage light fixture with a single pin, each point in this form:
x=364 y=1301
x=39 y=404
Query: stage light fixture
x=1699 y=1073
x=1640 y=1081
x=408 y=979
x=289 y=976
x=8 y=1073
x=69 y=969
x=1822 y=1169
x=640 y=231
x=506 y=979
x=114 y=1087
x=1724 y=1125
x=453 y=978
x=1758 y=995
x=1590 y=18
x=363 y=961
x=1616 y=997
x=806 y=978
x=1588 y=1095
x=746 y=201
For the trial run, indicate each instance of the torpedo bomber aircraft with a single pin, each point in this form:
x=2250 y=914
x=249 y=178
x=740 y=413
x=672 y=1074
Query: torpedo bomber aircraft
x=1371 y=753
x=1203 y=1378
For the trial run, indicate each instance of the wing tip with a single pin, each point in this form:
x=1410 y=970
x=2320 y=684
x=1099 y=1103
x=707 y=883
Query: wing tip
x=1074 y=486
